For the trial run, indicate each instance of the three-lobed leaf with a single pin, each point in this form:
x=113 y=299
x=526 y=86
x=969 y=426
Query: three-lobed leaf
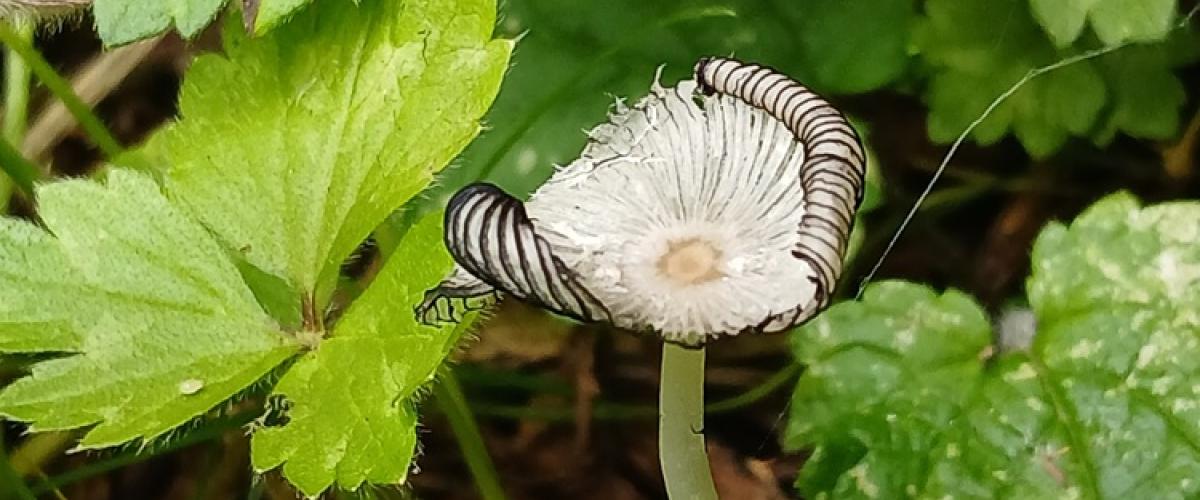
x=1146 y=95
x=976 y=60
x=163 y=325
x=341 y=115
x=1114 y=21
x=852 y=47
x=904 y=395
x=1063 y=20
x=350 y=413
x=165 y=302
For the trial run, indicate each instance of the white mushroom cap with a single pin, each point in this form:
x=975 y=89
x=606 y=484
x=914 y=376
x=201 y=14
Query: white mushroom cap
x=689 y=215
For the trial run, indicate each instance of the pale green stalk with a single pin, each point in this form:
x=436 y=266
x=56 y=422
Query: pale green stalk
x=16 y=104
x=681 y=424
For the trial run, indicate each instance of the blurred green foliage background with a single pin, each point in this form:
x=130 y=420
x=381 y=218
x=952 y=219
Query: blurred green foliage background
x=953 y=56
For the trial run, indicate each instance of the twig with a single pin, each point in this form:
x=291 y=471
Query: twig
x=1177 y=159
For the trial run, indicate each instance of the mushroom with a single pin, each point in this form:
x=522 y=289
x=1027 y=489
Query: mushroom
x=719 y=206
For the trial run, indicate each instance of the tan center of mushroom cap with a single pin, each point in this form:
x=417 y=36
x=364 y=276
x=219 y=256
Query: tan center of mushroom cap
x=690 y=262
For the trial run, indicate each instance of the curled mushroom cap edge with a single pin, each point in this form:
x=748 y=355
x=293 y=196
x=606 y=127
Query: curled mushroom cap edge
x=719 y=206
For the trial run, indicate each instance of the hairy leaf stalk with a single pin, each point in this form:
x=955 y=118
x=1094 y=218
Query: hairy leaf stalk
x=40 y=7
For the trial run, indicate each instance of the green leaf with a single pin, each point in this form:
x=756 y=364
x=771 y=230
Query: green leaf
x=337 y=118
x=272 y=12
x=350 y=403
x=1063 y=20
x=976 y=59
x=1114 y=21
x=1116 y=254
x=1147 y=97
x=163 y=326
x=853 y=47
x=124 y=21
x=38 y=336
x=166 y=306
x=903 y=396
x=902 y=352
x=1119 y=21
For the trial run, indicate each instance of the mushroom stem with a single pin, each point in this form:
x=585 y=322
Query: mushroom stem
x=681 y=424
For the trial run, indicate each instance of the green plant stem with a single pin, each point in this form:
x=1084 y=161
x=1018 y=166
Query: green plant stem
x=681 y=448
x=61 y=89
x=601 y=410
x=16 y=104
x=10 y=481
x=756 y=393
x=210 y=430
x=16 y=89
x=21 y=171
x=453 y=403
x=38 y=449
x=478 y=378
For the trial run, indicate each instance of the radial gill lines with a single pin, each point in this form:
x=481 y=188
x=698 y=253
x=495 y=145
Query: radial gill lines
x=835 y=166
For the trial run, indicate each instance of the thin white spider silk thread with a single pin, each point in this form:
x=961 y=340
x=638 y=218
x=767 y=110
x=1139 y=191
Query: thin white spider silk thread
x=678 y=168
x=962 y=137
